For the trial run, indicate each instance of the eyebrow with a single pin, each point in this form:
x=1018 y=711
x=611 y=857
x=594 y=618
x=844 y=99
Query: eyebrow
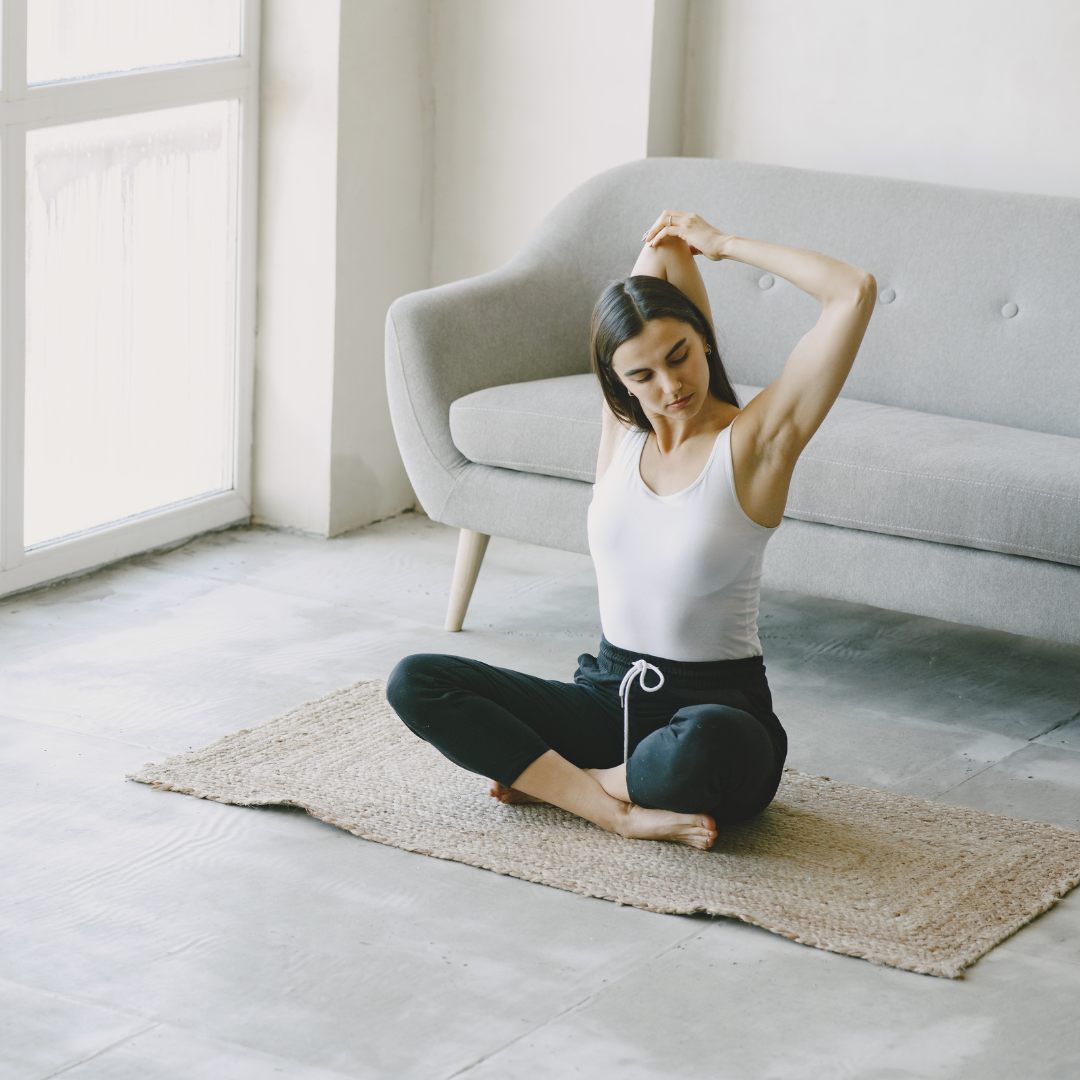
x=671 y=352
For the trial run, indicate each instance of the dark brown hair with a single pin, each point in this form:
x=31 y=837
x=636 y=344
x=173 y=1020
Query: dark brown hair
x=621 y=313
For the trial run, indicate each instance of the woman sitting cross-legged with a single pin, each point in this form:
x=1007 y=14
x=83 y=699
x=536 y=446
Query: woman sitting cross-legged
x=668 y=732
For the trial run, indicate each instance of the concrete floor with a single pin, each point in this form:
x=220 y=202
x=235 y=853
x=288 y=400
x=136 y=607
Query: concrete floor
x=146 y=934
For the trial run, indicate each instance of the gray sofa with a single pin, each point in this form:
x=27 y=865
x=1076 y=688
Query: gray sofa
x=946 y=480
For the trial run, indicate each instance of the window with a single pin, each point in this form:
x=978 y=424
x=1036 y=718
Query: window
x=127 y=220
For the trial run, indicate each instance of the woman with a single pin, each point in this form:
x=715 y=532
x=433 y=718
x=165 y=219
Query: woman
x=689 y=488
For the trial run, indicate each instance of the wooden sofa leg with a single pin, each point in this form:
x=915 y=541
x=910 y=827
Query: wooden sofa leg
x=470 y=554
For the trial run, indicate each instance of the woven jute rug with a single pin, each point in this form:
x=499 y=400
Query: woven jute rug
x=897 y=880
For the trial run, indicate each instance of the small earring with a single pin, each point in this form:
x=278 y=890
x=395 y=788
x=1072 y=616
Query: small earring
x=708 y=350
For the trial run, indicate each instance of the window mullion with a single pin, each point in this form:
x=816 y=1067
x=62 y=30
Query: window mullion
x=91 y=99
x=14 y=51
x=12 y=341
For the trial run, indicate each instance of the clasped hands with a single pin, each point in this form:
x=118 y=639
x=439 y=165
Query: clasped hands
x=701 y=237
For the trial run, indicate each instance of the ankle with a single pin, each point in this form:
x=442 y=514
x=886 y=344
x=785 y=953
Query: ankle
x=622 y=817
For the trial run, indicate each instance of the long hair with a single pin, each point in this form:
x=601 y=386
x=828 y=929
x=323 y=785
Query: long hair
x=621 y=313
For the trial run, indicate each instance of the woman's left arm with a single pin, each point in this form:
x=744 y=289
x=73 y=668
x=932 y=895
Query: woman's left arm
x=786 y=414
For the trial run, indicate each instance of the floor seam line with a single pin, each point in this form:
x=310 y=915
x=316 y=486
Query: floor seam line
x=79 y=999
x=103 y=1050
x=80 y=734
x=1054 y=727
x=575 y=1006
x=935 y=764
x=988 y=765
x=1007 y=756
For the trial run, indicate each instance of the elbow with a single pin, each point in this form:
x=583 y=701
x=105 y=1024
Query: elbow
x=866 y=289
x=856 y=290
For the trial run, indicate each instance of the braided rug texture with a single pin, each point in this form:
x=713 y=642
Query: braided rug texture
x=893 y=879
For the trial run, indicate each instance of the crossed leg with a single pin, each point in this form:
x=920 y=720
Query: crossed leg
x=503 y=724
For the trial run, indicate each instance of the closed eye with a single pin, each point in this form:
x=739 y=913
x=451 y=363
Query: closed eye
x=646 y=376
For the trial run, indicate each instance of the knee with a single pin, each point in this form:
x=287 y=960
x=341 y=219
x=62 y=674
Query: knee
x=719 y=741
x=410 y=675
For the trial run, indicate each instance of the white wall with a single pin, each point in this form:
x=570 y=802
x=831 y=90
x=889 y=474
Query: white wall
x=344 y=228
x=981 y=93
x=383 y=241
x=532 y=97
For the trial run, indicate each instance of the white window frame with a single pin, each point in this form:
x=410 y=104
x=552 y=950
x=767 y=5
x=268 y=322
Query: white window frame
x=24 y=108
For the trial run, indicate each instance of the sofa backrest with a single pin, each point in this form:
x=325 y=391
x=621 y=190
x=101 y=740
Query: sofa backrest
x=954 y=258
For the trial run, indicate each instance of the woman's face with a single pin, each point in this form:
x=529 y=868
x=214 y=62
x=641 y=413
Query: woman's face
x=666 y=368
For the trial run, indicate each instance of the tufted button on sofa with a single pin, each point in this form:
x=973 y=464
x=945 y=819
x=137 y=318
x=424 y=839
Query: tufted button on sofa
x=946 y=479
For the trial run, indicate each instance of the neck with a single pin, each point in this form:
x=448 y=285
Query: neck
x=713 y=416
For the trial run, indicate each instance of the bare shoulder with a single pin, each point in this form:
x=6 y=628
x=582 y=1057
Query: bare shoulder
x=612 y=432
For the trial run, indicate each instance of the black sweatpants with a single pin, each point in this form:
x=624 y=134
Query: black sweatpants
x=708 y=742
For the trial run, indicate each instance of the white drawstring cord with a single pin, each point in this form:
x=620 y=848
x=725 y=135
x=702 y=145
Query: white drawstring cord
x=638 y=669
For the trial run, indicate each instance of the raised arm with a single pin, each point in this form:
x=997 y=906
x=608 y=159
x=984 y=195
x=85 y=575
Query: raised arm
x=776 y=426
x=787 y=413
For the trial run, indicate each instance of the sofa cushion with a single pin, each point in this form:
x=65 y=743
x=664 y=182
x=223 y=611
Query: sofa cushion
x=871 y=467
x=549 y=426
x=889 y=470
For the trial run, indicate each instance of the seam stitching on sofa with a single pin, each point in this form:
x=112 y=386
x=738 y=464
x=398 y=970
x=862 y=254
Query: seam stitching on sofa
x=948 y=479
x=494 y=461
x=525 y=412
x=826 y=518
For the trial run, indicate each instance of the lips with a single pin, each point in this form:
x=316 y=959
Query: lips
x=681 y=402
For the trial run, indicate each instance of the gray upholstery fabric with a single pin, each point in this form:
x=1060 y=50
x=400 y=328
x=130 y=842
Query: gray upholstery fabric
x=980 y=588
x=880 y=469
x=548 y=426
x=948 y=344
x=545 y=510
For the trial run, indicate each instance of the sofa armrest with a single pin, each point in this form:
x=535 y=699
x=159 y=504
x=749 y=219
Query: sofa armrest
x=529 y=320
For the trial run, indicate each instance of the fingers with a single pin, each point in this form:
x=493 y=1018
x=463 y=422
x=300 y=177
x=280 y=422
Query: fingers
x=702 y=238
x=681 y=232
x=671 y=223
x=658 y=238
x=668 y=219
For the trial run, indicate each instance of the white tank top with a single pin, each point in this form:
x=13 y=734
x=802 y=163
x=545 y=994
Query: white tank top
x=679 y=575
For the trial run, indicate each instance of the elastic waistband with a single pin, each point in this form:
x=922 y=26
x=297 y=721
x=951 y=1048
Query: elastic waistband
x=746 y=671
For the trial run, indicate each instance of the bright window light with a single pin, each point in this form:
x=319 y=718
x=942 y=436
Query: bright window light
x=74 y=39
x=131 y=261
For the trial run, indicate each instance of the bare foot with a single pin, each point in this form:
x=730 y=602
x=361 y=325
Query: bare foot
x=510 y=796
x=694 y=830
